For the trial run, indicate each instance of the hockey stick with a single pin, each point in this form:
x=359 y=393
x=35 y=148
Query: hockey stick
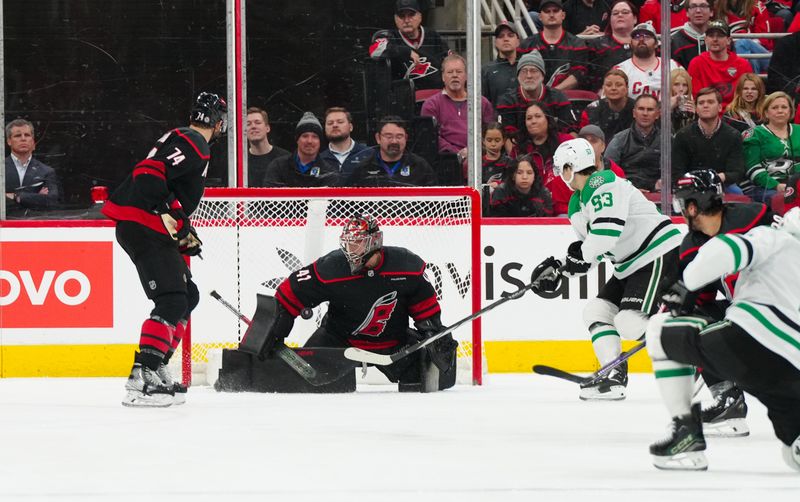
x=555 y=372
x=364 y=356
x=290 y=357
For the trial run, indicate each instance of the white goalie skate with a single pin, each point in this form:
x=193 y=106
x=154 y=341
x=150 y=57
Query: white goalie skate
x=178 y=389
x=146 y=390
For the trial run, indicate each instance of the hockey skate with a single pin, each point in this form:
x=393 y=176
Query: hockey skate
x=726 y=417
x=791 y=454
x=178 y=389
x=683 y=449
x=145 y=389
x=609 y=388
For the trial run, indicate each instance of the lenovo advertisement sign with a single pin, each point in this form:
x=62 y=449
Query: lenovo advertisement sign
x=56 y=285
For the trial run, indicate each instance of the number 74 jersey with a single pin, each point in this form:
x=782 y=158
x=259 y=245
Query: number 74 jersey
x=616 y=222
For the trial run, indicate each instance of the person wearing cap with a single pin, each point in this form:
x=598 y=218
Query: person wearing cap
x=530 y=78
x=416 y=53
x=586 y=17
x=614 y=46
x=564 y=54
x=644 y=67
x=303 y=167
x=709 y=143
x=500 y=75
x=718 y=67
x=689 y=42
x=596 y=137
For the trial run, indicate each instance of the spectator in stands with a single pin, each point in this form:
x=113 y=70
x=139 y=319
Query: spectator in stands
x=718 y=67
x=681 y=100
x=751 y=16
x=744 y=111
x=650 y=12
x=709 y=143
x=644 y=67
x=495 y=158
x=784 y=68
x=586 y=17
x=521 y=193
x=565 y=55
x=449 y=107
x=304 y=167
x=390 y=164
x=260 y=152
x=342 y=151
x=539 y=141
x=614 y=46
x=772 y=149
x=595 y=136
x=30 y=183
x=512 y=105
x=500 y=76
x=614 y=111
x=638 y=149
x=415 y=53
x=689 y=41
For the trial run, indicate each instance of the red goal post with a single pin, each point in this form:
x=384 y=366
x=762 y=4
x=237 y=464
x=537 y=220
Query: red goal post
x=254 y=237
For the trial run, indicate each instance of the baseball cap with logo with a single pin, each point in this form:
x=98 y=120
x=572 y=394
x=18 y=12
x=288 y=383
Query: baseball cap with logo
x=721 y=26
x=402 y=5
x=545 y=3
x=645 y=28
x=505 y=25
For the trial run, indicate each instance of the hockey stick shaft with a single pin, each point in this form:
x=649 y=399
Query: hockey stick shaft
x=364 y=356
x=542 y=369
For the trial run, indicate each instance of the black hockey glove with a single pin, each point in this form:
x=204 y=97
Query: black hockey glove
x=442 y=351
x=547 y=276
x=188 y=242
x=574 y=264
x=679 y=300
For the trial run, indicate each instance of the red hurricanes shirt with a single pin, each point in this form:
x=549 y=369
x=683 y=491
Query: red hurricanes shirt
x=723 y=75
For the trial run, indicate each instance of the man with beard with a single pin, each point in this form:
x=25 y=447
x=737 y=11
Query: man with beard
x=390 y=164
x=304 y=167
x=500 y=76
x=718 y=67
x=689 y=42
x=644 y=67
x=698 y=196
x=343 y=151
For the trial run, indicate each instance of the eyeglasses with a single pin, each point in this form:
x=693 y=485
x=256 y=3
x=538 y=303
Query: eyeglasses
x=642 y=36
x=703 y=6
x=529 y=70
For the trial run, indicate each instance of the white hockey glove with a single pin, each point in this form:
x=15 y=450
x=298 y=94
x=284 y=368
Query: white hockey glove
x=574 y=264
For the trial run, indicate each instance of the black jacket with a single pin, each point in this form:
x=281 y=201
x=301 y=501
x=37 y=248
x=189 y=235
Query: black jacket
x=508 y=201
x=410 y=170
x=639 y=156
x=498 y=78
x=722 y=152
x=784 y=67
x=37 y=176
x=685 y=47
x=285 y=172
x=611 y=122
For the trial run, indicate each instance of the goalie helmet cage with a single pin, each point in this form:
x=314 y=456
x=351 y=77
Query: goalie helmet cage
x=253 y=238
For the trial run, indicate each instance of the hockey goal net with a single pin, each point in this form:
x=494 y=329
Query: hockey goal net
x=255 y=237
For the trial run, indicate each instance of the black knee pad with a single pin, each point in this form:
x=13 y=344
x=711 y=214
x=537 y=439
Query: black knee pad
x=170 y=307
x=192 y=296
x=680 y=343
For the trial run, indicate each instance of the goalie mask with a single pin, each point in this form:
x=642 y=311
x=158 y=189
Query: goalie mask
x=703 y=187
x=361 y=238
x=577 y=154
x=208 y=110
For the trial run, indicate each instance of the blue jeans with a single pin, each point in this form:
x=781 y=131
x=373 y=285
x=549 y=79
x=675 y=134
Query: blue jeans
x=761 y=194
x=734 y=189
x=751 y=46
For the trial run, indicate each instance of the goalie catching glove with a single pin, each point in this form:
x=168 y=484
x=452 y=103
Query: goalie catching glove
x=178 y=226
x=574 y=264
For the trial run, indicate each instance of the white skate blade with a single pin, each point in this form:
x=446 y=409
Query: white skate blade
x=138 y=399
x=731 y=428
x=688 y=461
x=615 y=393
x=179 y=398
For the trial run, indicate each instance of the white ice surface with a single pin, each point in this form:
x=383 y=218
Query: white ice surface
x=517 y=438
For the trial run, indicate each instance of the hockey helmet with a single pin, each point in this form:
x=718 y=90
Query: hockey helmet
x=703 y=187
x=576 y=154
x=208 y=110
x=361 y=238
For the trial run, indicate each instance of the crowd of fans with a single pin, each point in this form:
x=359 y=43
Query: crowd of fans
x=592 y=69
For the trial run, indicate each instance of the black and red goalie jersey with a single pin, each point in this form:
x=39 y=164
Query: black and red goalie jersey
x=369 y=309
x=172 y=175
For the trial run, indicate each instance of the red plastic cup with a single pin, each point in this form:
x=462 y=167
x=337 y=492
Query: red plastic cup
x=99 y=194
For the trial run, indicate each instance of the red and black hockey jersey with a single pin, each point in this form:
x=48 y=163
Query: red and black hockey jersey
x=512 y=105
x=569 y=55
x=172 y=175
x=369 y=310
x=736 y=219
x=430 y=46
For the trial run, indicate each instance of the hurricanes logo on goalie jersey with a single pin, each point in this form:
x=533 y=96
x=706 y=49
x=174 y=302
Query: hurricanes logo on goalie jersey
x=379 y=314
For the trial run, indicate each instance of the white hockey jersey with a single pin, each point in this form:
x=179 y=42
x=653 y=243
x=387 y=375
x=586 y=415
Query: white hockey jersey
x=616 y=222
x=766 y=301
x=644 y=81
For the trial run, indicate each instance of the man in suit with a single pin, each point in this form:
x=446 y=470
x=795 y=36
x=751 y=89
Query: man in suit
x=30 y=183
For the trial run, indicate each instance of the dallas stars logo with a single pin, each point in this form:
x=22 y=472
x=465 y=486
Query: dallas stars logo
x=596 y=181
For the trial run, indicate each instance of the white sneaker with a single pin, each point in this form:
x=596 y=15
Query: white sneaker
x=178 y=389
x=145 y=389
x=791 y=454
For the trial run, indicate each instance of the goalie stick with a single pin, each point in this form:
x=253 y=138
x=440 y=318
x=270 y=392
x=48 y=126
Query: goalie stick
x=291 y=358
x=543 y=369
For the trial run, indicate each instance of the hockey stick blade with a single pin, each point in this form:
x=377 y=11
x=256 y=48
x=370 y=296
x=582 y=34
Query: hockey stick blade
x=542 y=369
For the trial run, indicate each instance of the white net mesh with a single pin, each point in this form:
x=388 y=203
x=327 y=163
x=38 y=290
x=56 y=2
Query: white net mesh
x=254 y=238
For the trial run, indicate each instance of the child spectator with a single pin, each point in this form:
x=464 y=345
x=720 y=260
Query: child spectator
x=681 y=101
x=522 y=192
x=495 y=159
